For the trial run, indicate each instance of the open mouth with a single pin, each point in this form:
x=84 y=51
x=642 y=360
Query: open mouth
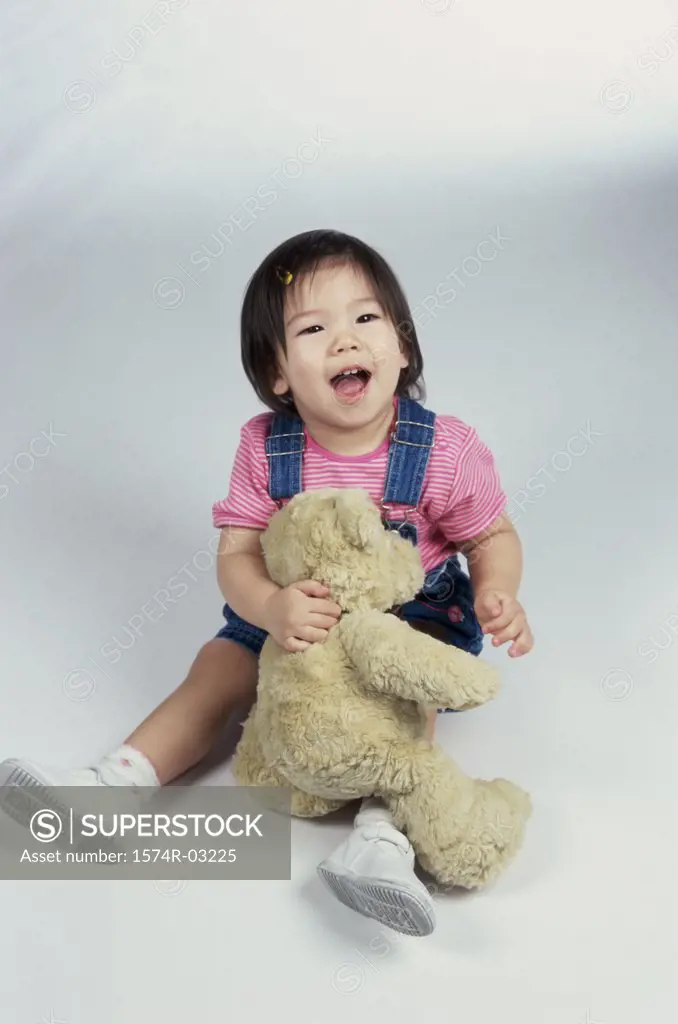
x=351 y=384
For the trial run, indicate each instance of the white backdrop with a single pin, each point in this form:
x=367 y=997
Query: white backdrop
x=152 y=155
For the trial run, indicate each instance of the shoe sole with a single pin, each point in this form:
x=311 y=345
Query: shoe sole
x=382 y=901
x=22 y=794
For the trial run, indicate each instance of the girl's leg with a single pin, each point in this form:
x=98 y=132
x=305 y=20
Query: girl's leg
x=173 y=738
x=182 y=730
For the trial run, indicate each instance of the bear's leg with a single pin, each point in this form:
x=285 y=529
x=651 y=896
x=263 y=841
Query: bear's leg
x=304 y=805
x=250 y=769
x=464 y=831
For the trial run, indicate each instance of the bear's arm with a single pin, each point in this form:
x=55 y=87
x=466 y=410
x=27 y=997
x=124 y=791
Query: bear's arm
x=393 y=658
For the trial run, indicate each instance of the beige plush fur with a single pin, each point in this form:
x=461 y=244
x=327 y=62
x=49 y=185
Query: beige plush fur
x=346 y=718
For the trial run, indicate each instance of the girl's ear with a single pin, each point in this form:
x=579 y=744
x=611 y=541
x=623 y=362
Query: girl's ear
x=280 y=384
x=403 y=349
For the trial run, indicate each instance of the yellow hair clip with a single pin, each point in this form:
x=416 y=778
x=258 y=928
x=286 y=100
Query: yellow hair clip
x=284 y=275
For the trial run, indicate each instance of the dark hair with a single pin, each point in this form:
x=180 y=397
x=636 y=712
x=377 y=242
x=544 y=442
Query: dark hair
x=262 y=325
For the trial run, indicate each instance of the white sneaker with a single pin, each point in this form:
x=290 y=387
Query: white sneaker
x=372 y=872
x=25 y=787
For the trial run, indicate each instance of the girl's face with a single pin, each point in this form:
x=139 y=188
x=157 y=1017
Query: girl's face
x=335 y=323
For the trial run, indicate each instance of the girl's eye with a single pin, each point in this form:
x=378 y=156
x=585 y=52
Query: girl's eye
x=363 y=318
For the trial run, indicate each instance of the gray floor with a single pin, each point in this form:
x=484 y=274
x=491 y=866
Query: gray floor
x=428 y=128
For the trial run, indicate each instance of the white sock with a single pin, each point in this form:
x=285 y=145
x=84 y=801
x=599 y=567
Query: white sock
x=126 y=767
x=373 y=812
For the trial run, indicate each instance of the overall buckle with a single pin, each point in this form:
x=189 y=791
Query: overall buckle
x=414 y=423
x=294 y=451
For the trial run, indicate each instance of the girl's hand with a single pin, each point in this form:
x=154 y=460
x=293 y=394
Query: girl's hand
x=301 y=614
x=504 y=617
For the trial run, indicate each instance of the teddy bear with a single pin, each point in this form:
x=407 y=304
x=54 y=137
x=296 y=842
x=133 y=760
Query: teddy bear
x=346 y=718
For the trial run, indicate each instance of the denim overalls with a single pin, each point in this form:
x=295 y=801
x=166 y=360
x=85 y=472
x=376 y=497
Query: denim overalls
x=446 y=597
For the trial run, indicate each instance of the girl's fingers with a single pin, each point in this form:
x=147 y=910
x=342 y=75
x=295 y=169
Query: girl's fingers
x=522 y=643
x=312 y=634
x=322 y=621
x=493 y=625
x=511 y=632
x=295 y=645
x=307 y=636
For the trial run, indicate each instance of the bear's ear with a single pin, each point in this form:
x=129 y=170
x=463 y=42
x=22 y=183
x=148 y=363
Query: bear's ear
x=358 y=518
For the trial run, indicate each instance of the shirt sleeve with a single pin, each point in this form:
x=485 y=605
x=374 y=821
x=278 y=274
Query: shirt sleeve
x=476 y=496
x=248 y=502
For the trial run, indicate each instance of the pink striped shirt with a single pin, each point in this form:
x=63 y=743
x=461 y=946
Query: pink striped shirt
x=461 y=494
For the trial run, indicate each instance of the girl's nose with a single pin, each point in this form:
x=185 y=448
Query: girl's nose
x=346 y=342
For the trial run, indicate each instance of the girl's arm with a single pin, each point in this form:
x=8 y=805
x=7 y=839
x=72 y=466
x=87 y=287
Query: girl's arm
x=495 y=562
x=495 y=558
x=242 y=575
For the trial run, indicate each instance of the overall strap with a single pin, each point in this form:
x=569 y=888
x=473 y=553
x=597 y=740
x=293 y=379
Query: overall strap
x=409 y=451
x=284 y=450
